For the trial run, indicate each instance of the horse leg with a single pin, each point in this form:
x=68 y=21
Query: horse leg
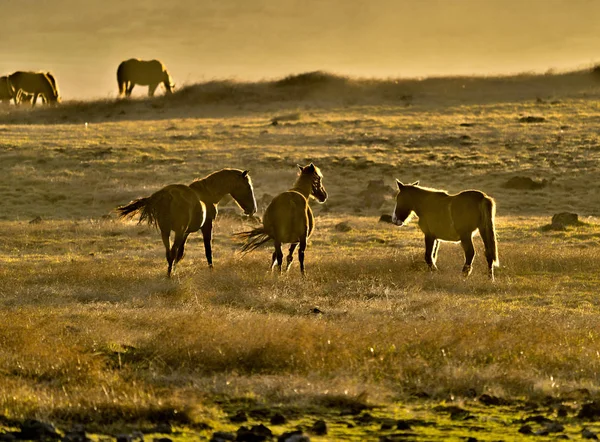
x=290 y=256
x=181 y=249
x=278 y=255
x=301 y=250
x=429 y=252
x=129 y=89
x=34 y=99
x=207 y=234
x=165 y=239
x=152 y=89
x=177 y=245
x=467 y=244
x=436 y=248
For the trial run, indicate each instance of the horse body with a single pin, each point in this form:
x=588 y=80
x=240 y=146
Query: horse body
x=289 y=219
x=454 y=218
x=145 y=73
x=36 y=84
x=186 y=209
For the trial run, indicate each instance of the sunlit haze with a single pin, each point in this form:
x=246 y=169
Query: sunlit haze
x=82 y=43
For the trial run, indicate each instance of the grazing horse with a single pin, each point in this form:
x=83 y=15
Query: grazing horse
x=145 y=73
x=7 y=91
x=187 y=209
x=289 y=219
x=36 y=84
x=445 y=217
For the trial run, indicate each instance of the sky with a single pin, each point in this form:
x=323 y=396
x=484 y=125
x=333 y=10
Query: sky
x=82 y=42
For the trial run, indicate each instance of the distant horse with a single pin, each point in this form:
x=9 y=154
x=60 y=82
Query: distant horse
x=7 y=92
x=145 y=73
x=35 y=83
x=444 y=217
x=187 y=209
x=289 y=219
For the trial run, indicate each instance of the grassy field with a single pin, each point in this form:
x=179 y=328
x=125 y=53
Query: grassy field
x=92 y=332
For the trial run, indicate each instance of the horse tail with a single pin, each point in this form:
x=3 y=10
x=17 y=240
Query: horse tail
x=121 y=78
x=146 y=207
x=254 y=239
x=487 y=229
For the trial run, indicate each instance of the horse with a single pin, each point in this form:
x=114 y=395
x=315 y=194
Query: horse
x=7 y=91
x=288 y=219
x=186 y=209
x=454 y=218
x=35 y=83
x=145 y=73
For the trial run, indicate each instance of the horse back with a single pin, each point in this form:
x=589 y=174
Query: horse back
x=288 y=218
x=466 y=210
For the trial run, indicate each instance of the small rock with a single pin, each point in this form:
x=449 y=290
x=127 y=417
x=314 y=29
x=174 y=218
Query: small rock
x=587 y=434
x=562 y=411
x=554 y=427
x=7 y=437
x=467 y=124
x=316 y=311
x=239 y=417
x=222 y=436
x=319 y=428
x=486 y=399
x=162 y=439
x=76 y=434
x=163 y=428
x=590 y=411
x=563 y=219
x=33 y=429
x=278 y=419
x=124 y=437
x=524 y=183
x=403 y=425
x=526 y=429
x=538 y=419
x=531 y=119
x=343 y=227
x=388 y=424
x=258 y=433
x=36 y=220
x=293 y=436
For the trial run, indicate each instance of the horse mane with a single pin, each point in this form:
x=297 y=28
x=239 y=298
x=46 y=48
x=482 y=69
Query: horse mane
x=427 y=189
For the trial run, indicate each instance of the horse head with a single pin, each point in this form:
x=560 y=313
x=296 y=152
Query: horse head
x=404 y=205
x=318 y=190
x=243 y=193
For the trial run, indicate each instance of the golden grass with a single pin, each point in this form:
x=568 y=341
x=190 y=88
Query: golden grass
x=89 y=326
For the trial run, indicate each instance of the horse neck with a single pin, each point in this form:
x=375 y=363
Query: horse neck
x=214 y=187
x=416 y=198
x=303 y=185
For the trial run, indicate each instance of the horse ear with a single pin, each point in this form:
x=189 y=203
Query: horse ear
x=400 y=185
x=300 y=167
x=416 y=183
x=245 y=173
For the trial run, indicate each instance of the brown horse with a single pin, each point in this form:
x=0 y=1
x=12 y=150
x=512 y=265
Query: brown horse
x=289 y=219
x=145 y=73
x=187 y=209
x=7 y=92
x=444 y=217
x=36 y=84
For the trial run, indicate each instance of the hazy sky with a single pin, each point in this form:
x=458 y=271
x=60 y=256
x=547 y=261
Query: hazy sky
x=82 y=42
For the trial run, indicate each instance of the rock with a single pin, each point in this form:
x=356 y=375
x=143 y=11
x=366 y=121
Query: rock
x=388 y=424
x=486 y=399
x=316 y=311
x=76 y=434
x=562 y=411
x=162 y=439
x=587 y=434
x=124 y=437
x=7 y=437
x=33 y=429
x=467 y=124
x=531 y=119
x=343 y=227
x=564 y=219
x=278 y=418
x=403 y=425
x=319 y=428
x=526 y=429
x=461 y=415
x=238 y=418
x=36 y=220
x=538 y=419
x=258 y=433
x=589 y=411
x=385 y=218
x=554 y=427
x=365 y=419
x=163 y=428
x=222 y=436
x=293 y=436
x=524 y=183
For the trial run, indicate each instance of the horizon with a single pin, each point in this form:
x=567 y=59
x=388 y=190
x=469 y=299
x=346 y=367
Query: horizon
x=82 y=44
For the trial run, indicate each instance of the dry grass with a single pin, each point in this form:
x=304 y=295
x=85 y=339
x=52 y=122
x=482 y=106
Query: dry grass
x=89 y=325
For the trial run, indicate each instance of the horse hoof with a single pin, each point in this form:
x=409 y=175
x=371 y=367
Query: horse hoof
x=467 y=271
x=211 y=267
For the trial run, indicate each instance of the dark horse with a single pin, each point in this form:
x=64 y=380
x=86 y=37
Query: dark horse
x=187 y=209
x=145 y=73
x=289 y=219
x=27 y=86
x=444 y=217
